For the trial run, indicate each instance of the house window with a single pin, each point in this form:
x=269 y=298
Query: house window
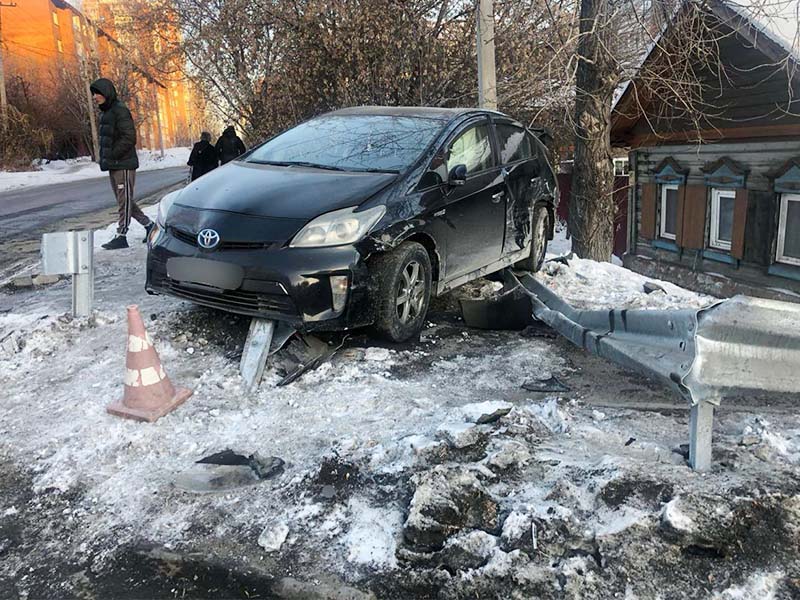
x=60 y=46
x=789 y=230
x=721 y=230
x=669 y=211
x=621 y=167
x=55 y=19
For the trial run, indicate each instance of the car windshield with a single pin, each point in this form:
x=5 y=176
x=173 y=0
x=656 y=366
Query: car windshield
x=351 y=143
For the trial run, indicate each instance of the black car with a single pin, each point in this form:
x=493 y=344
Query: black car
x=357 y=217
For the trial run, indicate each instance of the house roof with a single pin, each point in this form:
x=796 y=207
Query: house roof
x=776 y=36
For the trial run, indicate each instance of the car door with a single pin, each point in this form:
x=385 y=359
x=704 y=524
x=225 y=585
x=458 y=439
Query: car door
x=474 y=213
x=520 y=170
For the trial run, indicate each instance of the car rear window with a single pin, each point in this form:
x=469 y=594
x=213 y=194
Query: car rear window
x=352 y=143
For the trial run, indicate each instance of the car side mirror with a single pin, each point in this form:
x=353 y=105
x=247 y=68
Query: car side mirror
x=457 y=175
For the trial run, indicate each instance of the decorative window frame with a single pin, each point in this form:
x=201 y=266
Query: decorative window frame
x=668 y=174
x=785 y=198
x=722 y=177
x=662 y=222
x=713 y=232
x=786 y=186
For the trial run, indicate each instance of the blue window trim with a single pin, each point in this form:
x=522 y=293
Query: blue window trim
x=665 y=245
x=719 y=257
x=782 y=270
x=789 y=182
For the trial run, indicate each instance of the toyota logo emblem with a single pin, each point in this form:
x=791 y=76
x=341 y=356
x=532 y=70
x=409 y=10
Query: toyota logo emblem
x=208 y=239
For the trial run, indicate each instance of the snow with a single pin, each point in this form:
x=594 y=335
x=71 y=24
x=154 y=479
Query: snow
x=676 y=519
x=378 y=408
x=763 y=586
x=75 y=169
x=371 y=539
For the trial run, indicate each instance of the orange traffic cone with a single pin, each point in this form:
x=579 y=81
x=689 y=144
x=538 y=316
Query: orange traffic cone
x=149 y=394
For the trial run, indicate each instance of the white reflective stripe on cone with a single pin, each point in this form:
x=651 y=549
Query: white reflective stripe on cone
x=137 y=344
x=132 y=377
x=150 y=376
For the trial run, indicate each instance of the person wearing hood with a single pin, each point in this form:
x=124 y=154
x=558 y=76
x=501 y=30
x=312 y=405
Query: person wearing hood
x=203 y=157
x=229 y=145
x=118 y=157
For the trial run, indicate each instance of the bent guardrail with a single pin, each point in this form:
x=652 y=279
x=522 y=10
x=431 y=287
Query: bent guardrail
x=734 y=348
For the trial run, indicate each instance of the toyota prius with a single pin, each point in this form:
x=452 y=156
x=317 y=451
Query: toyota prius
x=358 y=217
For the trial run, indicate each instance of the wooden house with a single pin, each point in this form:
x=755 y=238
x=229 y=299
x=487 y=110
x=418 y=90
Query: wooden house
x=718 y=209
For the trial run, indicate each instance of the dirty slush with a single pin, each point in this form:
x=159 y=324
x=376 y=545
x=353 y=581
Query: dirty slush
x=469 y=464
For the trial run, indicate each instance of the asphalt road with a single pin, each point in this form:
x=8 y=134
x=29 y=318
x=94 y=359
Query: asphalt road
x=32 y=209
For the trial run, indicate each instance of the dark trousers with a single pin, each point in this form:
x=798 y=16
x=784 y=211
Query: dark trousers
x=122 y=183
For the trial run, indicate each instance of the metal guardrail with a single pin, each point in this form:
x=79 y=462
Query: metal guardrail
x=738 y=347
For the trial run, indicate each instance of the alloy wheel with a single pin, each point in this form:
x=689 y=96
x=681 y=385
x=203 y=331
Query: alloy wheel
x=410 y=292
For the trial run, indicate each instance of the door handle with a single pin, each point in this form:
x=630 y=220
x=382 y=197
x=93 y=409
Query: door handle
x=496 y=197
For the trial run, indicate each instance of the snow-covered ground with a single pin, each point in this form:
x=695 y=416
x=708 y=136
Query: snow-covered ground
x=74 y=169
x=582 y=497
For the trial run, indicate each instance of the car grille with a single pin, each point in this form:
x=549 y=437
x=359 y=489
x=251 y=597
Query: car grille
x=249 y=303
x=191 y=239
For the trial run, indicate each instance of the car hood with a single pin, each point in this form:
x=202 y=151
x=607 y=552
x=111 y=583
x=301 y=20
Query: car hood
x=280 y=192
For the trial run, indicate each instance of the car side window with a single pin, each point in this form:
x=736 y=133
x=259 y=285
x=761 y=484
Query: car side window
x=514 y=143
x=473 y=149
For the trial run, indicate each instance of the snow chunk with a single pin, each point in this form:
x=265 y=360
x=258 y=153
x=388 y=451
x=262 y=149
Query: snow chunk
x=761 y=585
x=478 y=412
x=550 y=415
x=273 y=537
x=588 y=284
x=460 y=435
x=371 y=539
x=377 y=354
x=672 y=516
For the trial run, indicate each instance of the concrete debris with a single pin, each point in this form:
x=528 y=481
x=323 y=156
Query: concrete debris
x=447 y=500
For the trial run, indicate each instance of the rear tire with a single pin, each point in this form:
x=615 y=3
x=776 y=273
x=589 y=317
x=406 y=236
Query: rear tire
x=402 y=288
x=538 y=241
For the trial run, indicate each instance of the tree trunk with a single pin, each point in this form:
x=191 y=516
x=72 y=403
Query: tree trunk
x=592 y=208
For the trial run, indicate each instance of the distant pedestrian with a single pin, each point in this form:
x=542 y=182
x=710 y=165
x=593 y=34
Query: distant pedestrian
x=229 y=145
x=203 y=157
x=118 y=157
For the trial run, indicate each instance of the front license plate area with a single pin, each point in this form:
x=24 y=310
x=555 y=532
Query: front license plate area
x=217 y=274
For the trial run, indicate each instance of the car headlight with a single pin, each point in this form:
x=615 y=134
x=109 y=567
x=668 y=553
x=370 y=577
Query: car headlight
x=164 y=206
x=337 y=228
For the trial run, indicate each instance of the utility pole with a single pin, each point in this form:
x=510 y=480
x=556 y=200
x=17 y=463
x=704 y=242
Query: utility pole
x=3 y=97
x=487 y=80
x=158 y=121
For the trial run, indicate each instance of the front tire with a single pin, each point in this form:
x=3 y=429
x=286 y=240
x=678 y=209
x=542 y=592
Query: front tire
x=538 y=241
x=403 y=289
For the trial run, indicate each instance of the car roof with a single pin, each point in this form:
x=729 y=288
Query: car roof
x=428 y=112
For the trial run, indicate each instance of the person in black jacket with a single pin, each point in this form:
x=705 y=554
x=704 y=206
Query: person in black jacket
x=118 y=157
x=203 y=157
x=229 y=145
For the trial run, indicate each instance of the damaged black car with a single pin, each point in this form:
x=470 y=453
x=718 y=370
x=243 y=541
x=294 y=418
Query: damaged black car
x=358 y=217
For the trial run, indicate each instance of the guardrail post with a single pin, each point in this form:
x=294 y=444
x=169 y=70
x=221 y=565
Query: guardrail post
x=701 y=423
x=256 y=352
x=72 y=253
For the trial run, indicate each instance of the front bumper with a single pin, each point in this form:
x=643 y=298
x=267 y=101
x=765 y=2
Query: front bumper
x=274 y=282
